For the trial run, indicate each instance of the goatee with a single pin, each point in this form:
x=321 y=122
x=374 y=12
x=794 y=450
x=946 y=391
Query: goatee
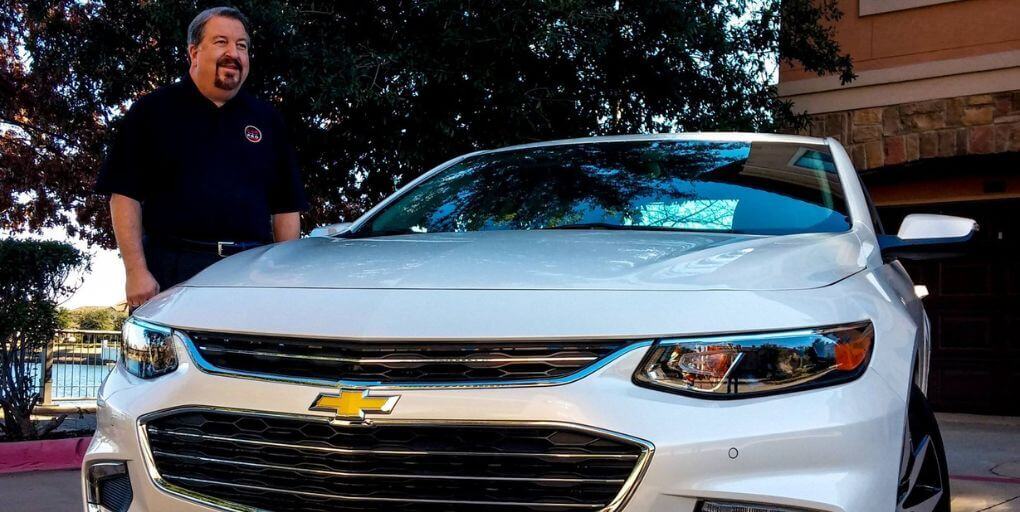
x=228 y=84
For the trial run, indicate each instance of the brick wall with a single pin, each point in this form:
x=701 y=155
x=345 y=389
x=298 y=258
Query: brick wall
x=881 y=136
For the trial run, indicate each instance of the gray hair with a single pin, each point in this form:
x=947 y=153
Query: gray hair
x=196 y=30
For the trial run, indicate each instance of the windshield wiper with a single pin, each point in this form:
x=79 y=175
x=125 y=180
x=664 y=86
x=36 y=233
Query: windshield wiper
x=622 y=227
x=373 y=234
x=592 y=225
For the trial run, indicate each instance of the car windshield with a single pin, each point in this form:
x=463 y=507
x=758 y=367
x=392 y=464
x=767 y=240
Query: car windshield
x=766 y=188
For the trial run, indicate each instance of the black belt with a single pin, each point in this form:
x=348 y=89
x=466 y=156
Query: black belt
x=221 y=249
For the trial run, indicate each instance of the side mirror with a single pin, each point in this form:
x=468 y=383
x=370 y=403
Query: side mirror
x=331 y=229
x=928 y=236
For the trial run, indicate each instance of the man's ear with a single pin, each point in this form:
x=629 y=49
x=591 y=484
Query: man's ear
x=192 y=52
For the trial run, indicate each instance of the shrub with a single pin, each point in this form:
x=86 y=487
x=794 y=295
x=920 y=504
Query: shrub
x=33 y=275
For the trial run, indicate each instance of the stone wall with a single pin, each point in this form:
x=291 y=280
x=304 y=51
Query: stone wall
x=881 y=136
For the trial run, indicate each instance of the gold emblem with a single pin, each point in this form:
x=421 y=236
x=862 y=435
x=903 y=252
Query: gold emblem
x=352 y=404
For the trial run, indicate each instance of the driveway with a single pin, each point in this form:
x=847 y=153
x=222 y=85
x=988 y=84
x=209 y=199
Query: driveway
x=41 y=491
x=984 y=461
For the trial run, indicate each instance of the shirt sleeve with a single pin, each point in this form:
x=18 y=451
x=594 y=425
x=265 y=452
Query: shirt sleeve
x=288 y=194
x=123 y=170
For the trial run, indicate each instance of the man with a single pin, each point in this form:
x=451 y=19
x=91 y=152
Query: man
x=200 y=169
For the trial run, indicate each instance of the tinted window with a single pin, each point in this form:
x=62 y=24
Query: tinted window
x=739 y=187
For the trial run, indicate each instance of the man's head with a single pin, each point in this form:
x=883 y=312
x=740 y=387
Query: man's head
x=218 y=48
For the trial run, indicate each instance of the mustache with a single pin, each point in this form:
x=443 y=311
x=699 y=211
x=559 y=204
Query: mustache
x=226 y=60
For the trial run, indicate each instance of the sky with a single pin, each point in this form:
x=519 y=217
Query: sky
x=104 y=284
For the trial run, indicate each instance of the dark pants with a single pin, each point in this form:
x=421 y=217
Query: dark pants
x=173 y=265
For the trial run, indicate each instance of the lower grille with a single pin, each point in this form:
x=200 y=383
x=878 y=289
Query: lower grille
x=115 y=493
x=307 y=464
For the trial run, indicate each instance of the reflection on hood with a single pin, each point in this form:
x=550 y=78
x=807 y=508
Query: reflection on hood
x=550 y=259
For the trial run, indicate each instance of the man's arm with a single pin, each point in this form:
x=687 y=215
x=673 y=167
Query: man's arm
x=126 y=214
x=286 y=226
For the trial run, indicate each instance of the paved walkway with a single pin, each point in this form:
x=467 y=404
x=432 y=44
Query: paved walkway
x=984 y=461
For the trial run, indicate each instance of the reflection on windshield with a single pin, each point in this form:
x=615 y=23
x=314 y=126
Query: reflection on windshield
x=692 y=214
x=739 y=187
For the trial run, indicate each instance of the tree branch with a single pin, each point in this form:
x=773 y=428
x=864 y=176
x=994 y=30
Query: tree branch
x=44 y=131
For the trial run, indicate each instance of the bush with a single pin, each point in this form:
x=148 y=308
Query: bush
x=33 y=275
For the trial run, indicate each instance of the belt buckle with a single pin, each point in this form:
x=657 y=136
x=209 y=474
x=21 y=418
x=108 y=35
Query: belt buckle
x=220 y=246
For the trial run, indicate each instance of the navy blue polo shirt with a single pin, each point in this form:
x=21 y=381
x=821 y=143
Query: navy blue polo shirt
x=204 y=172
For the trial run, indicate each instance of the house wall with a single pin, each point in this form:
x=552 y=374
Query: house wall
x=912 y=50
x=896 y=134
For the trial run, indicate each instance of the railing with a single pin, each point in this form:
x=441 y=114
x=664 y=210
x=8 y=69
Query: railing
x=74 y=364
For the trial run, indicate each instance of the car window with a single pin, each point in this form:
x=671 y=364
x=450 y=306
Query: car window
x=738 y=187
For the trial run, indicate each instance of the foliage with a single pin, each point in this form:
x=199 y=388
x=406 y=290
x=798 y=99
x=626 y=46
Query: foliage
x=65 y=320
x=91 y=318
x=33 y=275
x=377 y=92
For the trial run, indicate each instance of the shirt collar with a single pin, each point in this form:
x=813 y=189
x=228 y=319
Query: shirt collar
x=197 y=95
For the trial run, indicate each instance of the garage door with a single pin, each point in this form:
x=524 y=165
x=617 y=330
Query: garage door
x=974 y=306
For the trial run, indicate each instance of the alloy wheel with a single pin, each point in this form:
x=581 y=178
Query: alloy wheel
x=923 y=486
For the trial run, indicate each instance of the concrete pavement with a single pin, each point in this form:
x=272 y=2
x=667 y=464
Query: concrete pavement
x=984 y=462
x=983 y=452
x=41 y=491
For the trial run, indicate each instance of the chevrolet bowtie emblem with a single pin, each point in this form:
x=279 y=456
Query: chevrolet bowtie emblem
x=352 y=404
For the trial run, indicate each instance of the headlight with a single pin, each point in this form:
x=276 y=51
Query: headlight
x=754 y=365
x=147 y=349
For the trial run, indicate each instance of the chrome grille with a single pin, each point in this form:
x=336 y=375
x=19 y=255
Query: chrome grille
x=362 y=363
x=307 y=464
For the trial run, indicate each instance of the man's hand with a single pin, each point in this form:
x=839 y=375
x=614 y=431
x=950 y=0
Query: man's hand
x=126 y=214
x=140 y=287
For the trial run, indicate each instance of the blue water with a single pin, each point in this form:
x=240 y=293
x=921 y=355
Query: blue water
x=75 y=380
x=78 y=380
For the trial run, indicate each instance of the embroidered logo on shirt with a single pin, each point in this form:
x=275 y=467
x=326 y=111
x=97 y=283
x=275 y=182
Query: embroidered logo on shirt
x=252 y=133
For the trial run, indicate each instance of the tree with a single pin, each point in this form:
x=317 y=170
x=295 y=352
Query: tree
x=377 y=92
x=91 y=318
x=33 y=275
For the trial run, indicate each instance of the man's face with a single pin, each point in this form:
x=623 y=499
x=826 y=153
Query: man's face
x=220 y=59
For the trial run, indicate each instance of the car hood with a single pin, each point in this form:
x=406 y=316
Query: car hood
x=546 y=260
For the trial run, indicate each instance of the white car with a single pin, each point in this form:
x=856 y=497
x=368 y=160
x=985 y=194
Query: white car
x=663 y=323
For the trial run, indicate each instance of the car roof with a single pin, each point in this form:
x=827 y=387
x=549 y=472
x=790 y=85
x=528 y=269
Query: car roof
x=698 y=136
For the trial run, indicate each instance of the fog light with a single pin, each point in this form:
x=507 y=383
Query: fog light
x=108 y=487
x=726 y=506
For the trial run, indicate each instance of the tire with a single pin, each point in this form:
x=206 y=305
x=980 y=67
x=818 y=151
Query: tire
x=924 y=474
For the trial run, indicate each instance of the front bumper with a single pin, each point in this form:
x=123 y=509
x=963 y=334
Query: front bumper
x=831 y=449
